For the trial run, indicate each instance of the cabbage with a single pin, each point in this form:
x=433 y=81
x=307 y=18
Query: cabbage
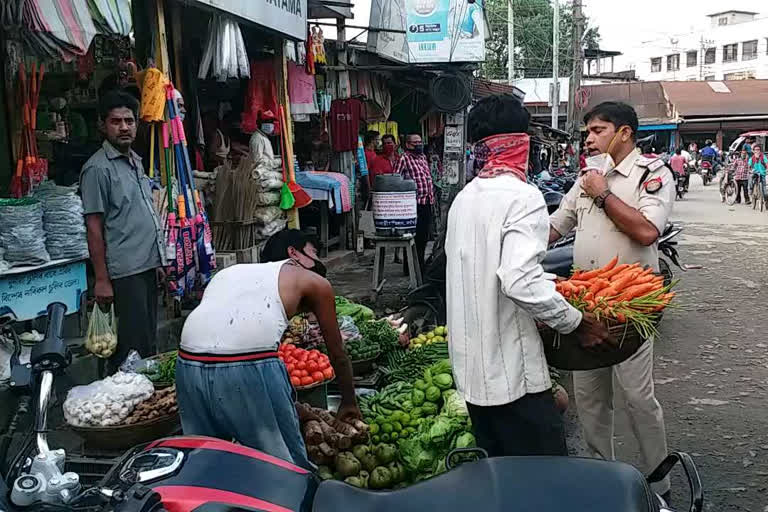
x=454 y=405
x=443 y=381
x=465 y=440
x=416 y=457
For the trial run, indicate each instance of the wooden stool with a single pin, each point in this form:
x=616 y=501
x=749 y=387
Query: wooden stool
x=408 y=244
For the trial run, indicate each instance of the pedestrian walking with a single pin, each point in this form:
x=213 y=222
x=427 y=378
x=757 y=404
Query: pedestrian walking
x=741 y=174
x=413 y=165
x=496 y=292
x=621 y=210
x=125 y=238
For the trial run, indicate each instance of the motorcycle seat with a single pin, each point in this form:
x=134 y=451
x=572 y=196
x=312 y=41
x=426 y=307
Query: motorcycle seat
x=506 y=484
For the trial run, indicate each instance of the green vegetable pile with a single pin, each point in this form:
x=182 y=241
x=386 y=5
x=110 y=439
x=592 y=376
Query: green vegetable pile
x=359 y=313
x=424 y=418
x=409 y=365
x=362 y=349
x=165 y=370
x=381 y=333
x=368 y=467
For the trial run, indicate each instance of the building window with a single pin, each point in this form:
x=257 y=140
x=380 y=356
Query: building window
x=741 y=75
x=656 y=65
x=709 y=56
x=692 y=59
x=722 y=21
x=731 y=52
x=673 y=62
x=709 y=78
x=749 y=50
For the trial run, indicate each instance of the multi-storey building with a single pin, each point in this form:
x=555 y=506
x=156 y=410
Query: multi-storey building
x=730 y=45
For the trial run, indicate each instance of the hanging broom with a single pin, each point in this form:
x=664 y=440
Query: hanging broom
x=300 y=195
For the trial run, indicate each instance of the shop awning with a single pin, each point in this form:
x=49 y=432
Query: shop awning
x=714 y=99
x=656 y=127
x=287 y=17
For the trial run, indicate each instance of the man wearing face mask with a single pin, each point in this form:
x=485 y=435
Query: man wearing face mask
x=230 y=383
x=413 y=165
x=260 y=153
x=619 y=206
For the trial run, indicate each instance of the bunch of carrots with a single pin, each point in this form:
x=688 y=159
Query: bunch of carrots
x=623 y=293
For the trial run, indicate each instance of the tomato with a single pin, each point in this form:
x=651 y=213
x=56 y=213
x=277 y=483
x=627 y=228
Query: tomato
x=301 y=365
x=296 y=381
x=290 y=360
x=328 y=373
x=304 y=373
x=306 y=381
x=301 y=356
x=318 y=376
x=312 y=366
x=313 y=355
x=290 y=367
x=322 y=366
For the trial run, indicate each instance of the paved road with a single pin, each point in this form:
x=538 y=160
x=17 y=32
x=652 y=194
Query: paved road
x=711 y=369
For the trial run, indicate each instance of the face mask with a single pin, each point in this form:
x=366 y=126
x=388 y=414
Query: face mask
x=318 y=268
x=418 y=149
x=602 y=162
x=268 y=129
x=377 y=145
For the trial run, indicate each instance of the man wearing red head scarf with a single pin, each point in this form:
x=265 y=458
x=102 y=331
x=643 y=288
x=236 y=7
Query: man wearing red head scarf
x=498 y=228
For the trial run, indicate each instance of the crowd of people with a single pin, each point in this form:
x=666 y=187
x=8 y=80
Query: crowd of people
x=748 y=168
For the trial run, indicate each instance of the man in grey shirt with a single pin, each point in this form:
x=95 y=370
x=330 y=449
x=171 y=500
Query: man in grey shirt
x=124 y=233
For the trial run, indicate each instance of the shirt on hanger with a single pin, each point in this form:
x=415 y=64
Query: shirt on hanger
x=345 y=123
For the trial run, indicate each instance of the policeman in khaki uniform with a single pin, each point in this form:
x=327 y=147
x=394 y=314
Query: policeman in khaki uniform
x=622 y=212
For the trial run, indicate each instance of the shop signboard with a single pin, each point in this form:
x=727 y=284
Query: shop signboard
x=288 y=17
x=454 y=137
x=435 y=30
x=26 y=292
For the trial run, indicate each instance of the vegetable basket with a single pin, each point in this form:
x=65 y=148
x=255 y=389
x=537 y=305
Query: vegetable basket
x=122 y=437
x=564 y=351
x=364 y=366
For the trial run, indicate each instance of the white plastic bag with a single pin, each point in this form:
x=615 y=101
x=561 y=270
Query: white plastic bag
x=108 y=401
x=101 y=338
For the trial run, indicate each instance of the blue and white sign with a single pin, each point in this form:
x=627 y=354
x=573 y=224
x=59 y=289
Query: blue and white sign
x=435 y=30
x=27 y=292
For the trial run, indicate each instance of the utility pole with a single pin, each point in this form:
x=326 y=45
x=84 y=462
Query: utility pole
x=578 y=69
x=510 y=43
x=556 y=64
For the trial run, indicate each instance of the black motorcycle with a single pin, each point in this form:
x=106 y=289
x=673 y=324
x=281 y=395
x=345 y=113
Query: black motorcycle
x=200 y=474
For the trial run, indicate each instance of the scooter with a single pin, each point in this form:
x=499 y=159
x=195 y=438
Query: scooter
x=192 y=473
x=707 y=171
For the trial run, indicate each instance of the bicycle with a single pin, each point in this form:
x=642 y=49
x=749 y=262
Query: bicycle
x=757 y=192
x=729 y=189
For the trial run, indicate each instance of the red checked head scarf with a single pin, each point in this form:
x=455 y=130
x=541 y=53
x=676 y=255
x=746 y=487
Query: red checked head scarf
x=505 y=154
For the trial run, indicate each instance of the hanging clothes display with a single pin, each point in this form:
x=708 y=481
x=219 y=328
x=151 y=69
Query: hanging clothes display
x=261 y=95
x=301 y=90
x=224 y=50
x=112 y=16
x=61 y=29
x=345 y=123
x=318 y=45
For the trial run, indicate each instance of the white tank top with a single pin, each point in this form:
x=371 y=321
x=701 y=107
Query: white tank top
x=241 y=312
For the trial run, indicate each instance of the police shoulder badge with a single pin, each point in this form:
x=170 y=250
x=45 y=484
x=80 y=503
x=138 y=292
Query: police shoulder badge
x=653 y=185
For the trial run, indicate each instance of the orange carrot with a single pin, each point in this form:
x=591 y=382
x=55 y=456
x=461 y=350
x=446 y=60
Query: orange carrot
x=637 y=291
x=577 y=282
x=621 y=318
x=589 y=296
x=614 y=271
x=630 y=269
x=622 y=282
x=590 y=305
x=643 y=279
x=608 y=291
x=598 y=285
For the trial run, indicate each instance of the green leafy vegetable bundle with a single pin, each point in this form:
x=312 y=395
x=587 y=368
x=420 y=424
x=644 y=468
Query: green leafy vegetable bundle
x=359 y=313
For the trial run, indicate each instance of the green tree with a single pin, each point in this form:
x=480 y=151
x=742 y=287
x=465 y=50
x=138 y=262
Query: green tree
x=533 y=39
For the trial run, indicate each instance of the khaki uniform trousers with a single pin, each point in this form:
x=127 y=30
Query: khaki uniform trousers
x=594 y=400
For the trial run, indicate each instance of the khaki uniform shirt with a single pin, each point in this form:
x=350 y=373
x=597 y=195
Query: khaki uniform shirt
x=598 y=239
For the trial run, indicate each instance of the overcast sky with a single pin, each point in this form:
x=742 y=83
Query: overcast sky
x=625 y=25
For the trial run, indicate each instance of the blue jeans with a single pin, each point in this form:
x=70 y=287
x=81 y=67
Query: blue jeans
x=250 y=402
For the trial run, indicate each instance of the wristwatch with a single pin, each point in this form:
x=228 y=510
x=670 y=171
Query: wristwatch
x=600 y=200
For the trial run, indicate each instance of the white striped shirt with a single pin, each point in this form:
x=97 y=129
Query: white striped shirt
x=497 y=237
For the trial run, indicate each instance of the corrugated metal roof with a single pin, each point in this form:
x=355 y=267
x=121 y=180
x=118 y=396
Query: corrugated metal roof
x=700 y=99
x=482 y=88
x=647 y=98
